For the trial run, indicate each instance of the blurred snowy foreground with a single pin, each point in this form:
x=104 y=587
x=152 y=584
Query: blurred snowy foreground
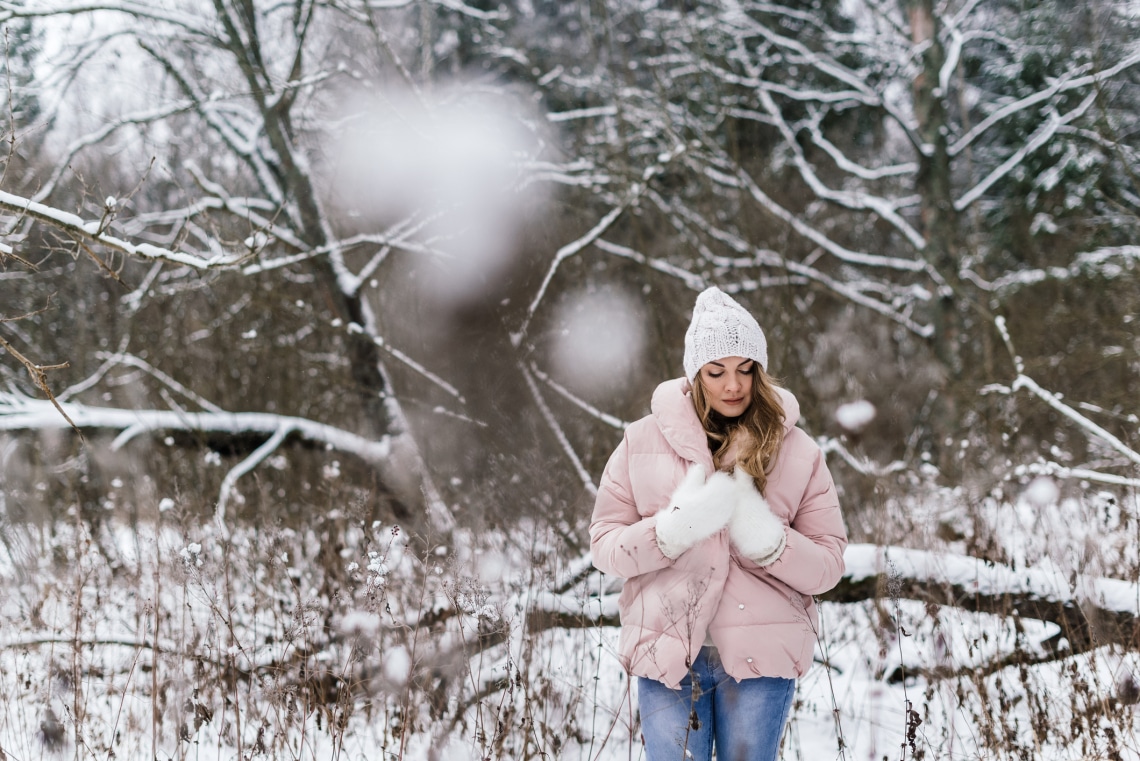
x=342 y=641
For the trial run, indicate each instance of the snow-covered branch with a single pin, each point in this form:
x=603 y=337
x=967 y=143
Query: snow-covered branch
x=1040 y=137
x=18 y=9
x=572 y=248
x=1091 y=263
x=741 y=179
x=94 y=231
x=886 y=209
x=860 y=464
x=763 y=257
x=249 y=463
x=559 y=434
x=1054 y=401
x=577 y=401
x=1090 y=611
x=1066 y=473
x=1061 y=85
x=23 y=414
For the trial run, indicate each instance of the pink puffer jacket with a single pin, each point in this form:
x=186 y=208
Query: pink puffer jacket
x=762 y=620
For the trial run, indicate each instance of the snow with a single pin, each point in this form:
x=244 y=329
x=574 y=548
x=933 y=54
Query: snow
x=599 y=338
x=455 y=154
x=869 y=667
x=855 y=416
x=95 y=230
x=1045 y=581
x=123 y=638
x=1042 y=491
x=360 y=623
x=20 y=413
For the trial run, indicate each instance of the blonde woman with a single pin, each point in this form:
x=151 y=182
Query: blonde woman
x=723 y=520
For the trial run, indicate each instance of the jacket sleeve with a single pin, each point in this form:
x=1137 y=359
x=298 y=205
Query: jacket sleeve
x=623 y=543
x=812 y=561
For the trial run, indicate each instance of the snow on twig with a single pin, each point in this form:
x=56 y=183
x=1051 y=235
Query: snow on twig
x=133 y=300
x=742 y=179
x=396 y=241
x=860 y=171
x=856 y=201
x=131 y=360
x=417 y=367
x=570 y=249
x=246 y=146
x=860 y=464
x=467 y=10
x=953 y=55
x=247 y=207
x=148 y=10
x=249 y=463
x=962 y=13
x=81 y=229
x=767 y=258
x=1041 y=135
x=64 y=164
x=559 y=434
x=574 y=247
x=1063 y=84
x=1023 y=381
x=1064 y=472
x=829 y=67
x=1088 y=263
x=581 y=113
x=577 y=401
x=694 y=281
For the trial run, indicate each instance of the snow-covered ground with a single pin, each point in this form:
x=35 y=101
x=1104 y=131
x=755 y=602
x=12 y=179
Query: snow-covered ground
x=169 y=643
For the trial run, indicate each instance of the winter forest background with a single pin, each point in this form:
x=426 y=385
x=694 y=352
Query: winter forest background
x=319 y=319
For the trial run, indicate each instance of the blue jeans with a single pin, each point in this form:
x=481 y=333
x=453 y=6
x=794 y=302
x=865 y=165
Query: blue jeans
x=743 y=719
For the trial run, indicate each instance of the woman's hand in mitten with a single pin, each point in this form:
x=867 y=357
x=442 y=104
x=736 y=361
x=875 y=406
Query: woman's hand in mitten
x=757 y=534
x=697 y=510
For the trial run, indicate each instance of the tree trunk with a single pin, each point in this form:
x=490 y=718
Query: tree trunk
x=939 y=220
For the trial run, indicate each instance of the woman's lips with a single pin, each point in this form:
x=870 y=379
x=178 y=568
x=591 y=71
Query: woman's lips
x=734 y=402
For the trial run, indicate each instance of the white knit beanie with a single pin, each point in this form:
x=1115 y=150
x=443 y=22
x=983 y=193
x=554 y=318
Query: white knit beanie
x=722 y=328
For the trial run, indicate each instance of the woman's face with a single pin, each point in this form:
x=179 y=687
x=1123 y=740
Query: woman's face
x=728 y=384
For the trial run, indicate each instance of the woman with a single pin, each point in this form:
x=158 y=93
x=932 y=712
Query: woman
x=717 y=613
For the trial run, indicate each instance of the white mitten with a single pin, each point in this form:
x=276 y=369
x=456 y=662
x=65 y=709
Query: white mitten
x=757 y=534
x=697 y=510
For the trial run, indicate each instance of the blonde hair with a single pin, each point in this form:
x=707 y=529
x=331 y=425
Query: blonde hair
x=759 y=431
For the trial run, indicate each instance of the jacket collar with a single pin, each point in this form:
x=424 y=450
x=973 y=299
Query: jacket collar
x=672 y=407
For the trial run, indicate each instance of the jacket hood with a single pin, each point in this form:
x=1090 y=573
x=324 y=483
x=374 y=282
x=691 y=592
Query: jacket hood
x=672 y=408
